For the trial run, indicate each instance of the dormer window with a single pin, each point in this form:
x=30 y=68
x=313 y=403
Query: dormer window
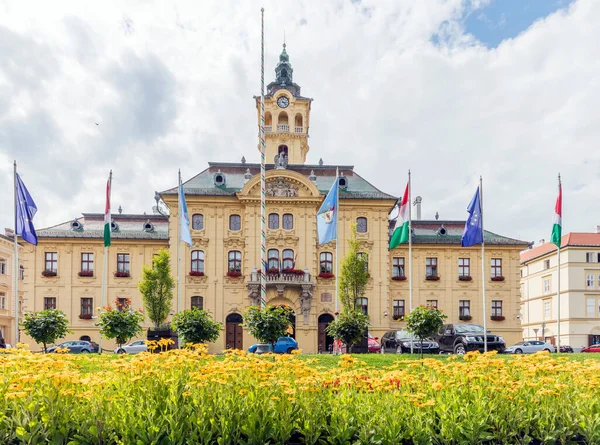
x=148 y=226
x=219 y=179
x=343 y=182
x=114 y=227
x=442 y=231
x=76 y=225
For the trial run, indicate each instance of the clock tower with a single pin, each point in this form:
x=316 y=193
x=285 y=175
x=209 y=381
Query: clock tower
x=287 y=117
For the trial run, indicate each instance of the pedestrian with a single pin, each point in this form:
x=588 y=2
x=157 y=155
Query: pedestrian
x=2 y=343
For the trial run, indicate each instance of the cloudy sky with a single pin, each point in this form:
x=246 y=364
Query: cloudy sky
x=452 y=89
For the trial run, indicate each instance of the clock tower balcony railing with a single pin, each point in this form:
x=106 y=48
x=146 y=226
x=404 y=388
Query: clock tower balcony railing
x=283 y=128
x=299 y=130
x=268 y=129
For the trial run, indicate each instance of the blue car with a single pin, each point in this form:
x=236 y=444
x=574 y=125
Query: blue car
x=282 y=346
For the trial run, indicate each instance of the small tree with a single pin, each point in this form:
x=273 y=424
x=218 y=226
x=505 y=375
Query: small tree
x=268 y=324
x=424 y=322
x=122 y=323
x=46 y=326
x=349 y=327
x=196 y=326
x=156 y=288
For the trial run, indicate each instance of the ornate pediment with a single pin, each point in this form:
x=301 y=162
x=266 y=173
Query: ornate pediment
x=231 y=243
x=199 y=242
x=282 y=239
x=281 y=188
x=281 y=185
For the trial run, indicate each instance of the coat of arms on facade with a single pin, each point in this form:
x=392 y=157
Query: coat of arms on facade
x=281 y=188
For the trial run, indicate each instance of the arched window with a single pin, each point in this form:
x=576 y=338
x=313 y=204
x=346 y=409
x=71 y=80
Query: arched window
x=273 y=259
x=235 y=261
x=362 y=304
x=197 y=261
x=268 y=120
x=298 y=123
x=197 y=221
x=198 y=302
x=326 y=262
x=361 y=225
x=235 y=222
x=288 y=221
x=282 y=122
x=288 y=259
x=273 y=221
x=282 y=150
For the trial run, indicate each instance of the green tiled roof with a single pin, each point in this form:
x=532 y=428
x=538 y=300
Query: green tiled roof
x=91 y=226
x=450 y=232
x=324 y=175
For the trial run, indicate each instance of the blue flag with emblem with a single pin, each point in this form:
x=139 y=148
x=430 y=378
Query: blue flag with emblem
x=26 y=210
x=473 y=233
x=184 y=219
x=327 y=216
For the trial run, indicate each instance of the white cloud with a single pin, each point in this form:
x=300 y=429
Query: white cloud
x=171 y=84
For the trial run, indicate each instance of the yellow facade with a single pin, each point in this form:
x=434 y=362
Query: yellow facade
x=7 y=285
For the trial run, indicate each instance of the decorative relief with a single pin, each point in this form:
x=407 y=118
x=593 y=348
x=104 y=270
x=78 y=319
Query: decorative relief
x=196 y=280
x=231 y=243
x=365 y=245
x=233 y=280
x=282 y=239
x=281 y=188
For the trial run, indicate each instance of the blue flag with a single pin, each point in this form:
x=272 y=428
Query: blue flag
x=327 y=216
x=473 y=233
x=184 y=219
x=26 y=210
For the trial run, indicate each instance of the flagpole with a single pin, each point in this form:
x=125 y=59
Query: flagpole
x=558 y=273
x=263 y=198
x=337 y=227
x=179 y=245
x=483 y=267
x=16 y=264
x=105 y=271
x=410 y=288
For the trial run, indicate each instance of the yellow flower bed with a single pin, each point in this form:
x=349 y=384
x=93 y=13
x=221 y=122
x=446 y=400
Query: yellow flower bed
x=189 y=397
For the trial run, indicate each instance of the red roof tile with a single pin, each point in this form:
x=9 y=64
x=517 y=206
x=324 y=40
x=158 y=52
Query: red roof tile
x=570 y=239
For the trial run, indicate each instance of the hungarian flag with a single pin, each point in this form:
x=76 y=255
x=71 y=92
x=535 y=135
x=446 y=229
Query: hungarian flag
x=400 y=234
x=107 y=218
x=557 y=226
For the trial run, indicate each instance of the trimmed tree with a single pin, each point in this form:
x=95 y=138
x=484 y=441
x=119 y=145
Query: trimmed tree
x=424 y=322
x=196 y=326
x=268 y=324
x=156 y=288
x=46 y=327
x=122 y=323
x=351 y=324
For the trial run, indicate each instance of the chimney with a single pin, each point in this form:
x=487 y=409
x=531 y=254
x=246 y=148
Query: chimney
x=417 y=204
x=597 y=229
x=11 y=233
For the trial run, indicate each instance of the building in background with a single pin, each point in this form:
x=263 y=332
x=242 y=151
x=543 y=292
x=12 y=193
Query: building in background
x=580 y=290
x=7 y=280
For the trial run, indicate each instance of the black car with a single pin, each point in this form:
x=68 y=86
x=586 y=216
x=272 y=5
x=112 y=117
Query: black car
x=398 y=342
x=566 y=348
x=464 y=337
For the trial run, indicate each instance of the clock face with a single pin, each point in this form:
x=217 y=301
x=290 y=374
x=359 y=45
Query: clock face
x=283 y=102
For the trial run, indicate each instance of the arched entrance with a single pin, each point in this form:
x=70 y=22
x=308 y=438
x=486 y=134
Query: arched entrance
x=325 y=341
x=233 y=331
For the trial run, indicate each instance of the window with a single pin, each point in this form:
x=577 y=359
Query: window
x=398 y=313
x=431 y=267
x=49 y=303
x=464 y=308
x=288 y=221
x=431 y=304
x=51 y=261
x=326 y=262
x=2 y=300
x=197 y=221
x=547 y=310
x=273 y=221
x=198 y=302
x=464 y=267
x=362 y=304
x=273 y=259
x=546 y=264
x=364 y=256
x=288 y=259
x=589 y=282
x=589 y=257
x=87 y=306
x=546 y=285
x=235 y=222
x=3 y=267
x=123 y=303
x=123 y=263
x=235 y=261
x=398 y=267
x=496 y=308
x=599 y=257
x=197 y=261
x=361 y=225
x=87 y=262
x=591 y=307
x=497 y=268
x=21 y=273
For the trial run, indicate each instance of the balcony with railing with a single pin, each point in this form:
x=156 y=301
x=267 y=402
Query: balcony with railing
x=268 y=129
x=298 y=130
x=283 y=128
x=282 y=280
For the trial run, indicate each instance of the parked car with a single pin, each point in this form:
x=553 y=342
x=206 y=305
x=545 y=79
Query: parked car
x=373 y=344
x=135 y=347
x=282 y=346
x=398 y=342
x=565 y=348
x=77 y=347
x=530 y=347
x=593 y=348
x=464 y=337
